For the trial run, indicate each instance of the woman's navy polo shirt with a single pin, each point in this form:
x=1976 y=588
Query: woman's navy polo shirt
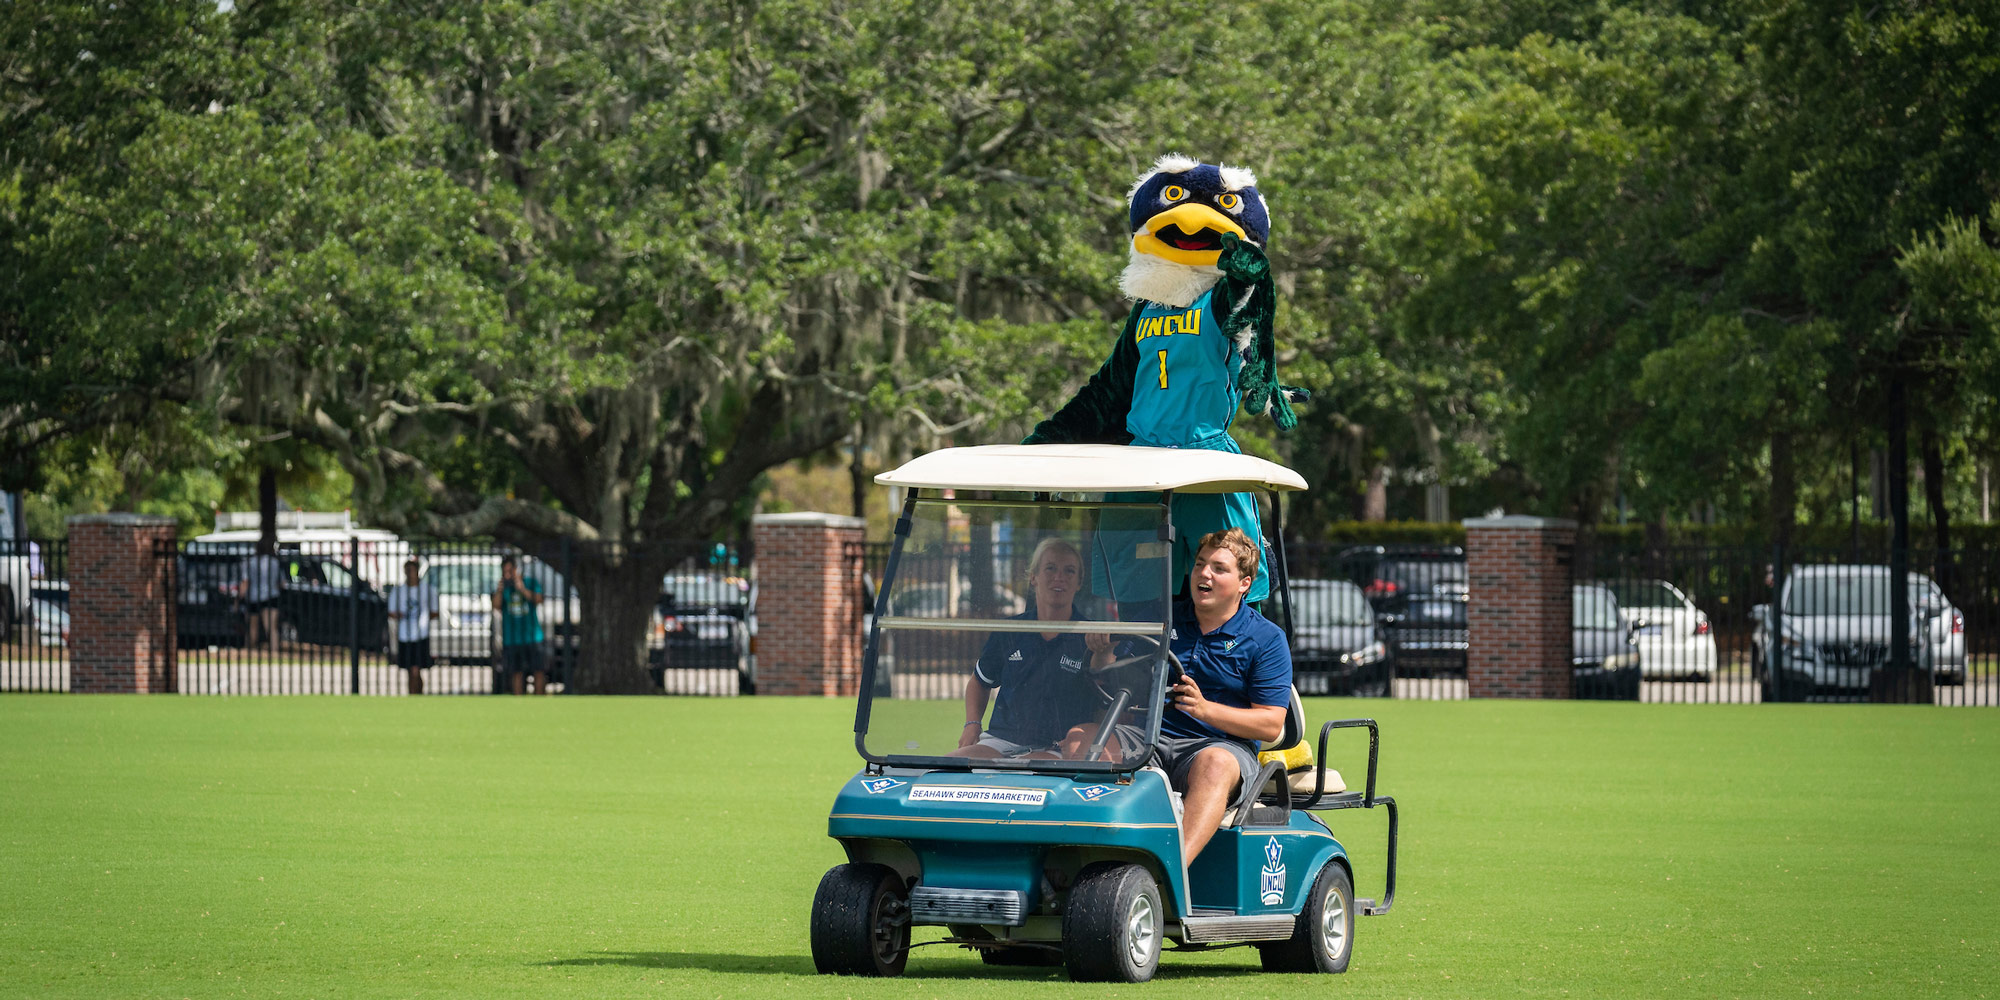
x=1245 y=663
x=1045 y=685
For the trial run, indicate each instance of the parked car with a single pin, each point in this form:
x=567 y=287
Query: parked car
x=315 y=606
x=51 y=621
x=1675 y=638
x=1604 y=655
x=1425 y=633
x=1835 y=635
x=697 y=592
x=318 y=598
x=205 y=580
x=327 y=533
x=1336 y=645
x=702 y=621
x=1944 y=629
x=20 y=571
x=1387 y=573
x=468 y=629
x=929 y=600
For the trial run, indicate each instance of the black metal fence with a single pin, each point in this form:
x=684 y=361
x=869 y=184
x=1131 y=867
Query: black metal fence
x=932 y=663
x=1377 y=621
x=344 y=619
x=1723 y=624
x=1679 y=624
x=34 y=615
x=339 y=617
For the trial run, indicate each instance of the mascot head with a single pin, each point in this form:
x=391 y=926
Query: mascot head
x=1179 y=211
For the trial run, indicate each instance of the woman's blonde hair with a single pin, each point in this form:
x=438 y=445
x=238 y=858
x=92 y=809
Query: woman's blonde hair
x=1042 y=550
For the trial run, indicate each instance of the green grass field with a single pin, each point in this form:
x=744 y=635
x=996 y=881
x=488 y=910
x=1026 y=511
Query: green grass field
x=482 y=847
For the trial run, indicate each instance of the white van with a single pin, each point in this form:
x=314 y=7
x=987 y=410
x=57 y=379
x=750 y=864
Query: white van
x=378 y=554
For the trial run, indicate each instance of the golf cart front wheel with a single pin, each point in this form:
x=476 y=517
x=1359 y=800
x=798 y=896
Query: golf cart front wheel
x=1113 y=925
x=861 y=922
x=1323 y=941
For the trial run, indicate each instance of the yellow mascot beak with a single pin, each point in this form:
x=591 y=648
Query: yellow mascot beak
x=1186 y=234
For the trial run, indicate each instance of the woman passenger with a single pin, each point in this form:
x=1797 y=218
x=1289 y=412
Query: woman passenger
x=1043 y=677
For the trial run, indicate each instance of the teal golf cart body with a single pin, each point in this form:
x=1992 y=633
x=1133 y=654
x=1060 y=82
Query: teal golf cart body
x=1071 y=855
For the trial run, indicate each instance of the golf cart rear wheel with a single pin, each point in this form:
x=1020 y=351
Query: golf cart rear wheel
x=1324 y=938
x=861 y=922
x=1113 y=925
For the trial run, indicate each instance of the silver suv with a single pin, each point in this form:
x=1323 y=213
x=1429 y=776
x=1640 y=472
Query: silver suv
x=1835 y=632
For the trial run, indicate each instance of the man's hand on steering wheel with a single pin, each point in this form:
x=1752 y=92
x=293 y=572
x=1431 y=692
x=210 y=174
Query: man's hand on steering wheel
x=1132 y=671
x=1186 y=695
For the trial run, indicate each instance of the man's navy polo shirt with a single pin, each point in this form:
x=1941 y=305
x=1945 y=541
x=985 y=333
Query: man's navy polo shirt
x=1244 y=663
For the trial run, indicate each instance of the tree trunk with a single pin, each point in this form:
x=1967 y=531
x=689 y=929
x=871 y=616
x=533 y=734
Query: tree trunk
x=979 y=574
x=1375 y=501
x=1900 y=686
x=1934 y=488
x=1656 y=546
x=617 y=589
x=857 y=473
x=267 y=508
x=1784 y=490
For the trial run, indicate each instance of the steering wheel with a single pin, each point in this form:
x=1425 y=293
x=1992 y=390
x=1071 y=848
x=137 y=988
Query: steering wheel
x=1121 y=679
x=1135 y=672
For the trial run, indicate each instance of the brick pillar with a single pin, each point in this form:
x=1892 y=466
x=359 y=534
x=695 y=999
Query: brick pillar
x=808 y=604
x=121 y=605
x=1518 y=575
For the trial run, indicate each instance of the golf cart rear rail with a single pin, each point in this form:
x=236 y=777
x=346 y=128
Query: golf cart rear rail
x=1319 y=800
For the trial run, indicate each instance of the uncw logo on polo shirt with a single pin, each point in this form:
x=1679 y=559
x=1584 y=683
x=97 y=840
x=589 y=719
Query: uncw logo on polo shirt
x=1227 y=646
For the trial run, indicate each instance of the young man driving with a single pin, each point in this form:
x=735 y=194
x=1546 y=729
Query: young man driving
x=1236 y=691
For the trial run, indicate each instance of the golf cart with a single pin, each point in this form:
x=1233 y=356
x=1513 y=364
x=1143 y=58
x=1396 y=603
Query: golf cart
x=1072 y=855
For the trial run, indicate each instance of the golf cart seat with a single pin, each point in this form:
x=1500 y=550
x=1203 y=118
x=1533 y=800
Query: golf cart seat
x=1269 y=798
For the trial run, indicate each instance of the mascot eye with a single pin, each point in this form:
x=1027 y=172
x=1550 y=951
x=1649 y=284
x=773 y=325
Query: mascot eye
x=1230 y=202
x=1173 y=192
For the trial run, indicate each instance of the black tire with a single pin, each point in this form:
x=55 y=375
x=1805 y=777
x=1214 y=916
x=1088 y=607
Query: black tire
x=1323 y=941
x=860 y=922
x=1113 y=924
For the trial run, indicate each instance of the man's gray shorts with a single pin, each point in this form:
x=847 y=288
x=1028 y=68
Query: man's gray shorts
x=1177 y=755
x=1004 y=746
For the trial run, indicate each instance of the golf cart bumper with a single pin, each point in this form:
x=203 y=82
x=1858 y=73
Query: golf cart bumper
x=984 y=840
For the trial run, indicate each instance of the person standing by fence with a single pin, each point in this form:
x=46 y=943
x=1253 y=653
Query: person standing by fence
x=257 y=593
x=518 y=600
x=413 y=606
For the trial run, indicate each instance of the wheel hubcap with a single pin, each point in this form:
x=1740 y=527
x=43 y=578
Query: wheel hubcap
x=1142 y=931
x=1333 y=924
x=891 y=916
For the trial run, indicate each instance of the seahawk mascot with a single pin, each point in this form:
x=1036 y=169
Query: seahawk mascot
x=1196 y=345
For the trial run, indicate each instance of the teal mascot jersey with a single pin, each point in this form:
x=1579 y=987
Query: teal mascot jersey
x=1196 y=346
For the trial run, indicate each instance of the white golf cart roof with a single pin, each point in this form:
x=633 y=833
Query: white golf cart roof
x=1090 y=468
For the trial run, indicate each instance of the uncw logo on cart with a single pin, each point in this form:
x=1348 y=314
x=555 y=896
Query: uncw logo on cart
x=1274 y=874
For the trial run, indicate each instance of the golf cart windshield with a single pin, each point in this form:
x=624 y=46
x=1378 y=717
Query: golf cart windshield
x=1042 y=618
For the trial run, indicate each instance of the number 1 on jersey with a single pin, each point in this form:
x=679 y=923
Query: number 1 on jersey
x=1163 y=369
